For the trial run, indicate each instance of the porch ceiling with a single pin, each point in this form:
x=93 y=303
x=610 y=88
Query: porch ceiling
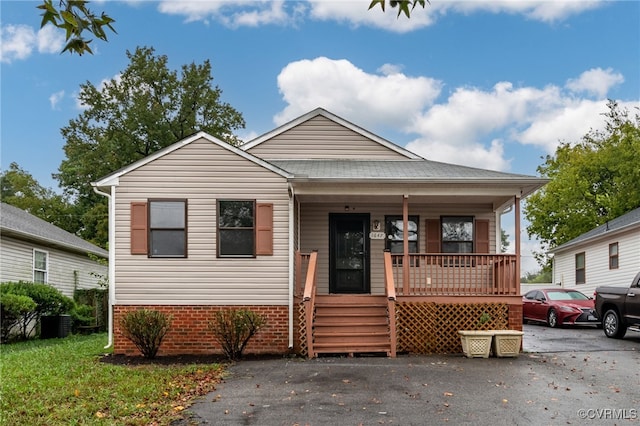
x=496 y=196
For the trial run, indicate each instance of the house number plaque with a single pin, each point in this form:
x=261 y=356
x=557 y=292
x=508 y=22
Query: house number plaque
x=377 y=235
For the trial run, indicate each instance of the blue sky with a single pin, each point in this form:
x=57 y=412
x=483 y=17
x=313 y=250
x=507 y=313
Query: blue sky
x=491 y=84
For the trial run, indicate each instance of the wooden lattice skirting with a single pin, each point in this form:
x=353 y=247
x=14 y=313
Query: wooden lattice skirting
x=424 y=327
x=430 y=328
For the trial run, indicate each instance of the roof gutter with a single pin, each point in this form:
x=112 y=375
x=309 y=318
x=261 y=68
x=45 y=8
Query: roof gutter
x=111 y=241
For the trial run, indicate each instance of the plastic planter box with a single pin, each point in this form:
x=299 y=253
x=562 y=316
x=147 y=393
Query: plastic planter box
x=476 y=343
x=506 y=343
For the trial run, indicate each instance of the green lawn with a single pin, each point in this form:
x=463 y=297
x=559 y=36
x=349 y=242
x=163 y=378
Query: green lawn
x=63 y=382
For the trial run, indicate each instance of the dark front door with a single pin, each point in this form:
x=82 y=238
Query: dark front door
x=349 y=253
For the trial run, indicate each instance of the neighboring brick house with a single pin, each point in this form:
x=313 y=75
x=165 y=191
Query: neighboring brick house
x=317 y=219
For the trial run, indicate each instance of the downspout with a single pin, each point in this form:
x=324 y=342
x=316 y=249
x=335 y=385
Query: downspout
x=291 y=264
x=517 y=226
x=112 y=266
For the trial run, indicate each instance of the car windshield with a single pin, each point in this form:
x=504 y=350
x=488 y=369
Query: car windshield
x=566 y=295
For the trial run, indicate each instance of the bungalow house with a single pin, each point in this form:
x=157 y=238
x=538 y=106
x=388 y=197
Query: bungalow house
x=606 y=255
x=345 y=242
x=37 y=251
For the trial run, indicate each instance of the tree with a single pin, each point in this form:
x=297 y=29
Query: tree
x=504 y=241
x=591 y=182
x=20 y=189
x=404 y=6
x=146 y=108
x=76 y=19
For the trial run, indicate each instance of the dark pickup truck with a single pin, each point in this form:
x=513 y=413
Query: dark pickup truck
x=619 y=308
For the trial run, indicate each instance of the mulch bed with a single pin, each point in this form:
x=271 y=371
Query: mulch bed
x=181 y=359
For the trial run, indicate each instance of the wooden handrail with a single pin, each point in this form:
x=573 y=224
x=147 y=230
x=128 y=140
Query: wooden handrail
x=389 y=283
x=310 y=282
x=309 y=300
x=455 y=274
x=390 y=292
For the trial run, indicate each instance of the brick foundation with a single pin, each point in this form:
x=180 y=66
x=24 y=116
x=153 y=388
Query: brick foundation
x=515 y=317
x=190 y=333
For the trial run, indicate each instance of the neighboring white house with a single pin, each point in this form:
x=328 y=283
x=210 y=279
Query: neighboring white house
x=606 y=255
x=32 y=249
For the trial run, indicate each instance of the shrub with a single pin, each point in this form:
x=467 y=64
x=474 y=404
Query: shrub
x=13 y=308
x=48 y=300
x=233 y=328
x=146 y=329
x=82 y=315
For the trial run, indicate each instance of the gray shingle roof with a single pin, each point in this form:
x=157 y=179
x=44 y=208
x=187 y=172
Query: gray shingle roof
x=421 y=170
x=19 y=223
x=629 y=219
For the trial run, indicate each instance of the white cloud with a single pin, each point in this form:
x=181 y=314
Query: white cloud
x=236 y=13
x=50 y=40
x=356 y=13
x=55 y=98
x=472 y=126
x=539 y=10
x=372 y=100
x=595 y=81
x=16 y=42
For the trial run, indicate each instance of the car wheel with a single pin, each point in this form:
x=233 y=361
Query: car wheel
x=612 y=326
x=552 y=318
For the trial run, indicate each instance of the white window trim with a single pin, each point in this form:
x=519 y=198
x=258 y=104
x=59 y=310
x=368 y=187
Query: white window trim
x=46 y=270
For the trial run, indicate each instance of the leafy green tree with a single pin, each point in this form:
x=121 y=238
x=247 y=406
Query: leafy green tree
x=146 y=108
x=543 y=276
x=76 y=20
x=404 y=6
x=504 y=241
x=20 y=189
x=591 y=182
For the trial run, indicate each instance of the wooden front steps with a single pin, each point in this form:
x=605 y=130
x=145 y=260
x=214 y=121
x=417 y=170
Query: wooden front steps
x=351 y=324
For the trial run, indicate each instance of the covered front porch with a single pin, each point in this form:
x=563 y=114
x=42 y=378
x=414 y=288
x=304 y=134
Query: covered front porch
x=360 y=295
x=420 y=311
x=384 y=266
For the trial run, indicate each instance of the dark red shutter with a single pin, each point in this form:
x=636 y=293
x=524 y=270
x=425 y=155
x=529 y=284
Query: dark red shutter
x=433 y=235
x=264 y=229
x=139 y=228
x=483 y=242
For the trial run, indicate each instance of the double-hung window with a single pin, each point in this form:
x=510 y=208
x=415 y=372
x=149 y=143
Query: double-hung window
x=168 y=228
x=457 y=234
x=613 y=256
x=236 y=228
x=40 y=266
x=395 y=234
x=580 y=268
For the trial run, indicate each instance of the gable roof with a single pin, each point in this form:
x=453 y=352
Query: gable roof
x=627 y=221
x=112 y=179
x=324 y=113
x=19 y=224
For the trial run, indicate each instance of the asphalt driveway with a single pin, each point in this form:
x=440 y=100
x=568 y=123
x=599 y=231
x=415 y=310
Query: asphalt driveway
x=559 y=379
